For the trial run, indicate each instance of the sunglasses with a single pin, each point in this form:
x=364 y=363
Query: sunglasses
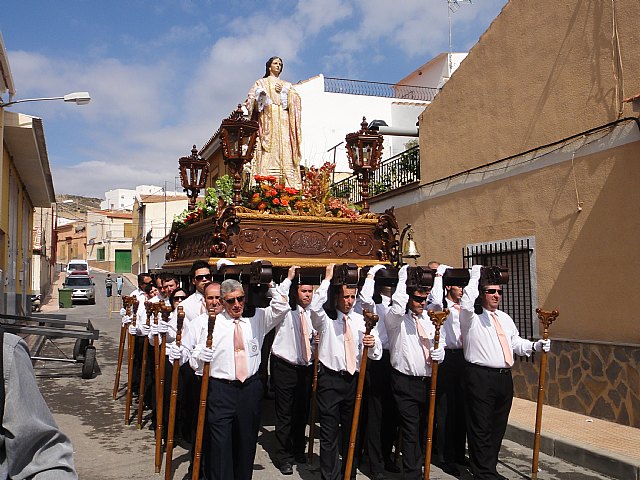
x=233 y=300
x=200 y=278
x=418 y=298
x=179 y=299
x=492 y=291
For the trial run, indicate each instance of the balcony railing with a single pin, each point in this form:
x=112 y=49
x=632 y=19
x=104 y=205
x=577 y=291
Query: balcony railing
x=393 y=173
x=377 y=89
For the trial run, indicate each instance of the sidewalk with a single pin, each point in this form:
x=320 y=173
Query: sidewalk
x=605 y=447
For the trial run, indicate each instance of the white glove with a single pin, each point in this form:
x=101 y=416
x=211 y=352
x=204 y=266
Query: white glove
x=132 y=329
x=154 y=329
x=542 y=345
x=163 y=327
x=206 y=355
x=126 y=319
x=437 y=354
x=123 y=312
x=175 y=352
x=402 y=274
x=145 y=329
x=373 y=270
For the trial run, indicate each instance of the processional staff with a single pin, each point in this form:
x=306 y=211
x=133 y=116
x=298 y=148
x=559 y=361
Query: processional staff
x=131 y=342
x=203 y=399
x=175 y=370
x=546 y=318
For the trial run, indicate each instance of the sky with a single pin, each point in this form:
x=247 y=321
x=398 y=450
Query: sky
x=163 y=74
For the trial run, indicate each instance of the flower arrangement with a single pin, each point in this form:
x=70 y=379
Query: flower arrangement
x=268 y=195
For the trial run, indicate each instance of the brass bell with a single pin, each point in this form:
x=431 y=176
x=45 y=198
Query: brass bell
x=410 y=249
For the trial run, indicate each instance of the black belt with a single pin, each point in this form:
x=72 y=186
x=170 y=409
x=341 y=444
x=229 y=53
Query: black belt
x=337 y=373
x=237 y=382
x=490 y=369
x=287 y=363
x=413 y=377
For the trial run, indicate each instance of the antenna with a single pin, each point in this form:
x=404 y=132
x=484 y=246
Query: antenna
x=453 y=5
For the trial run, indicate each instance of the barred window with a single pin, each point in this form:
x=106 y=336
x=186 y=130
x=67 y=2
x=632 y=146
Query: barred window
x=519 y=295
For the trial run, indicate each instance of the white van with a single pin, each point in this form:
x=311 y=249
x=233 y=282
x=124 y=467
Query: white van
x=77 y=266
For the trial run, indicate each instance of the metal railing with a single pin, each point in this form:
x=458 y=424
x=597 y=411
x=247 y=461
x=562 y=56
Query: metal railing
x=517 y=293
x=378 y=89
x=394 y=172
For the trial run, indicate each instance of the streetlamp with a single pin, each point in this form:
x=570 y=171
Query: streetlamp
x=193 y=175
x=238 y=137
x=79 y=98
x=364 y=149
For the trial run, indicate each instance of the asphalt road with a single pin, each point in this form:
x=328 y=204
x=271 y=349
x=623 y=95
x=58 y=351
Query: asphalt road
x=106 y=449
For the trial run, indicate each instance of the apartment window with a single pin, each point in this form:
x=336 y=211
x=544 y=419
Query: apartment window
x=519 y=295
x=128 y=230
x=100 y=254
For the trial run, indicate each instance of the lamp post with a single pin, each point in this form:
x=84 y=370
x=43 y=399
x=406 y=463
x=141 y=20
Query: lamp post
x=193 y=175
x=238 y=137
x=364 y=150
x=79 y=98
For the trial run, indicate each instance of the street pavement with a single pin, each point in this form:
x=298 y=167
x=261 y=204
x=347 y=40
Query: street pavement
x=105 y=448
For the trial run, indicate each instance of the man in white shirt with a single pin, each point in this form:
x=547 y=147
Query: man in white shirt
x=341 y=346
x=412 y=352
x=451 y=431
x=490 y=340
x=292 y=374
x=235 y=388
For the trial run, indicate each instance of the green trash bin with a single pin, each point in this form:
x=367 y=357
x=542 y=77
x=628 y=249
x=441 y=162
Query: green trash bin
x=64 y=297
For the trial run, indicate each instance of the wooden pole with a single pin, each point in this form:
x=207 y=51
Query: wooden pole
x=437 y=318
x=314 y=405
x=546 y=318
x=203 y=401
x=131 y=343
x=127 y=302
x=175 y=370
x=370 y=320
x=145 y=349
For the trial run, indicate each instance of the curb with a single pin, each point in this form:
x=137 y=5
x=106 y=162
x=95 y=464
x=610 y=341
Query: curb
x=577 y=453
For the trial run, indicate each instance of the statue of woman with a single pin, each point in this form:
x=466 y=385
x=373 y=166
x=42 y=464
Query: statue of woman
x=277 y=107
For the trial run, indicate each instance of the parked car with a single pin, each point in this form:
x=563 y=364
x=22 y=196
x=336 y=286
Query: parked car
x=83 y=287
x=77 y=265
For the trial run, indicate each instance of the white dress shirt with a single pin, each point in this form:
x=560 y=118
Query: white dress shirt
x=365 y=301
x=481 y=343
x=451 y=326
x=405 y=347
x=254 y=330
x=332 y=354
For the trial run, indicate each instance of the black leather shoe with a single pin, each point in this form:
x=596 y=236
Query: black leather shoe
x=301 y=458
x=451 y=469
x=286 y=468
x=392 y=467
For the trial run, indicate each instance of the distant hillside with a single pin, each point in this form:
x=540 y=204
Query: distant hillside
x=79 y=203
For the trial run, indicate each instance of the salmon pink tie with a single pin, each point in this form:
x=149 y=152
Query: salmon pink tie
x=424 y=340
x=239 y=353
x=304 y=330
x=502 y=338
x=349 y=347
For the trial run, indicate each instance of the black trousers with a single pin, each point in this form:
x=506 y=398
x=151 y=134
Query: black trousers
x=382 y=421
x=451 y=425
x=231 y=428
x=336 y=396
x=291 y=385
x=411 y=395
x=489 y=394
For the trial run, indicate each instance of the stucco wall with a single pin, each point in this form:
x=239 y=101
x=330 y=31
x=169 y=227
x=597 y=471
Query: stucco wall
x=541 y=72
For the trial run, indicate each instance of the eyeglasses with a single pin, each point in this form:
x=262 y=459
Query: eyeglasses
x=418 y=298
x=179 y=299
x=233 y=300
x=200 y=278
x=492 y=291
